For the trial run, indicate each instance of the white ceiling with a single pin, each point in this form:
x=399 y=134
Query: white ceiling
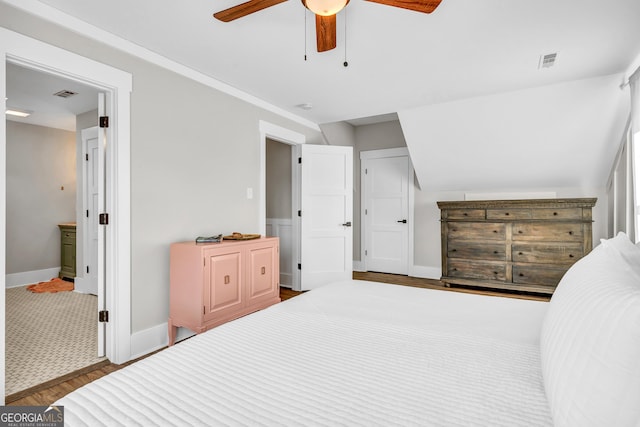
x=398 y=59
x=34 y=91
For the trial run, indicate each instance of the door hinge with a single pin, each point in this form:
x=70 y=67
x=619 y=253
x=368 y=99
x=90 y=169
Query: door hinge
x=87 y=213
x=300 y=160
x=87 y=269
x=299 y=213
x=366 y=212
x=299 y=266
x=366 y=253
x=103 y=316
x=204 y=309
x=86 y=157
x=104 y=121
x=103 y=219
x=366 y=171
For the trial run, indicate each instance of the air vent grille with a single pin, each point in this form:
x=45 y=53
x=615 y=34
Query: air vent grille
x=548 y=60
x=65 y=93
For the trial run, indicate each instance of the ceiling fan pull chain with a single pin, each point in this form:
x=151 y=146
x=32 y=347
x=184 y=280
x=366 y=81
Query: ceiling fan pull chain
x=305 y=33
x=345 y=63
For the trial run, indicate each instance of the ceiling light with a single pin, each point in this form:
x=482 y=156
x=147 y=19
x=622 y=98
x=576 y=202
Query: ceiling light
x=325 y=7
x=17 y=113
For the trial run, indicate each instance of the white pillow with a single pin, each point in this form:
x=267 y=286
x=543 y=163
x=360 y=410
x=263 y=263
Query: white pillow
x=590 y=343
x=624 y=248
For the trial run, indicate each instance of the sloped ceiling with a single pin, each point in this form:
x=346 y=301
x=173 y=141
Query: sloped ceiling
x=563 y=135
x=398 y=59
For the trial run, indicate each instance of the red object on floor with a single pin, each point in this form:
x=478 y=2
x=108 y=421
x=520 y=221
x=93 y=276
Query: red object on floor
x=54 y=285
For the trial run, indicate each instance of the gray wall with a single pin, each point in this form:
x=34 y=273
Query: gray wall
x=278 y=180
x=40 y=163
x=194 y=152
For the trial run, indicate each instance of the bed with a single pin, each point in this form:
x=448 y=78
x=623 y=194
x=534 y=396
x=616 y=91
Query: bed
x=358 y=353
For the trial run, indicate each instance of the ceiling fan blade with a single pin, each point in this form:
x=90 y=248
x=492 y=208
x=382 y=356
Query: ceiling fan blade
x=325 y=32
x=424 y=6
x=245 y=9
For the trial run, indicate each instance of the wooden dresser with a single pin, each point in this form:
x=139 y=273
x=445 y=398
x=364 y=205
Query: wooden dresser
x=214 y=283
x=524 y=245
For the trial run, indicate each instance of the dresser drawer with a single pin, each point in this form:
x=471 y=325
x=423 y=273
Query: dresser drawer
x=476 y=231
x=537 y=275
x=476 y=269
x=541 y=253
x=509 y=214
x=548 y=232
x=68 y=236
x=477 y=250
x=466 y=214
x=551 y=214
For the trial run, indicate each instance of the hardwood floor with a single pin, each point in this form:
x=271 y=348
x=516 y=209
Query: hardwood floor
x=47 y=393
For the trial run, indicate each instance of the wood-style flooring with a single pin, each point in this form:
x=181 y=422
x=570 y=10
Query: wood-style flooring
x=47 y=393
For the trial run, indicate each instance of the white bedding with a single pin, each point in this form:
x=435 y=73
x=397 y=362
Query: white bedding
x=351 y=353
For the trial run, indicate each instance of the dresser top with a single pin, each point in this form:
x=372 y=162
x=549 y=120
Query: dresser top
x=523 y=203
x=226 y=242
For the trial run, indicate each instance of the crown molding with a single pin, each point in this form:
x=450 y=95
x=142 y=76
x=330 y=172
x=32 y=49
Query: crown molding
x=76 y=25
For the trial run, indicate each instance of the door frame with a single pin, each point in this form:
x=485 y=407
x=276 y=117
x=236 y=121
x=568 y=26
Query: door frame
x=379 y=154
x=295 y=139
x=117 y=84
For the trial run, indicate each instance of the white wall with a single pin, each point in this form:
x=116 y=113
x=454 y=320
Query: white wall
x=41 y=193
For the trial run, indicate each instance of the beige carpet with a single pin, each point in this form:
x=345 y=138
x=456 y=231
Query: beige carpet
x=48 y=335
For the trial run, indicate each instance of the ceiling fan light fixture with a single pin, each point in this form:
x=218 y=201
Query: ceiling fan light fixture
x=325 y=7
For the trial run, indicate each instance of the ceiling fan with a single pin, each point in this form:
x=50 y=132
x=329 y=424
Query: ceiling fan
x=325 y=11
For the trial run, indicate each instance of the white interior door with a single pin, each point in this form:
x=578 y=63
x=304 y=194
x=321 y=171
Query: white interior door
x=91 y=184
x=100 y=229
x=326 y=193
x=386 y=214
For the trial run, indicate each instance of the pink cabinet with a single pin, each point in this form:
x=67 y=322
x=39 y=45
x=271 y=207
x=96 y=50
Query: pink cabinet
x=214 y=283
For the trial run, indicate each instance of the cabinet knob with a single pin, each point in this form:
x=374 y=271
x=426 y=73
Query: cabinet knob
x=571 y=233
x=263 y=270
x=521 y=275
x=570 y=255
x=555 y=214
x=520 y=253
x=495 y=252
x=506 y=213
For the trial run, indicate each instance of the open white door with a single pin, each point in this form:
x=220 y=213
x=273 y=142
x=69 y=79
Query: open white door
x=87 y=282
x=326 y=188
x=100 y=231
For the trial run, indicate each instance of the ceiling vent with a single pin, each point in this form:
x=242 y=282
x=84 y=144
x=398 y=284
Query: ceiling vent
x=65 y=93
x=548 y=60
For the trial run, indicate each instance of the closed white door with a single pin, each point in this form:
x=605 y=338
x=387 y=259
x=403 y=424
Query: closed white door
x=92 y=192
x=326 y=193
x=386 y=214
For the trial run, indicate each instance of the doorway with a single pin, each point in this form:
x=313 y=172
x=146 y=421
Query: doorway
x=33 y=54
x=42 y=206
x=387 y=210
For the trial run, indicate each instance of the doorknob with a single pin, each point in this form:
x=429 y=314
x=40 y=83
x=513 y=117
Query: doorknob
x=404 y=221
x=347 y=224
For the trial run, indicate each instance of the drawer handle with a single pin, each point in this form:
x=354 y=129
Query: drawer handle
x=465 y=214
x=521 y=275
x=495 y=272
x=571 y=233
x=455 y=269
x=519 y=231
x=520 y=253
x=263 y=270
x=555 y=214
x=570 y=255
x=454 y=250
x=227 y=279
x=506 y=213
x=495 y=231
x=495 y=252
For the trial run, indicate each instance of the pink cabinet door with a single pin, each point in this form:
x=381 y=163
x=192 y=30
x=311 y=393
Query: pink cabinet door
x=262 y=274
x=222 y=285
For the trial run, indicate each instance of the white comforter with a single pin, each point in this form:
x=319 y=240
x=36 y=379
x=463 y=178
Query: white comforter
x=349 y=354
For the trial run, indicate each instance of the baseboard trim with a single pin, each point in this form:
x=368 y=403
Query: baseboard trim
x=425 y=272
x=14 y=280
x=358 y=266
x=154 y=338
